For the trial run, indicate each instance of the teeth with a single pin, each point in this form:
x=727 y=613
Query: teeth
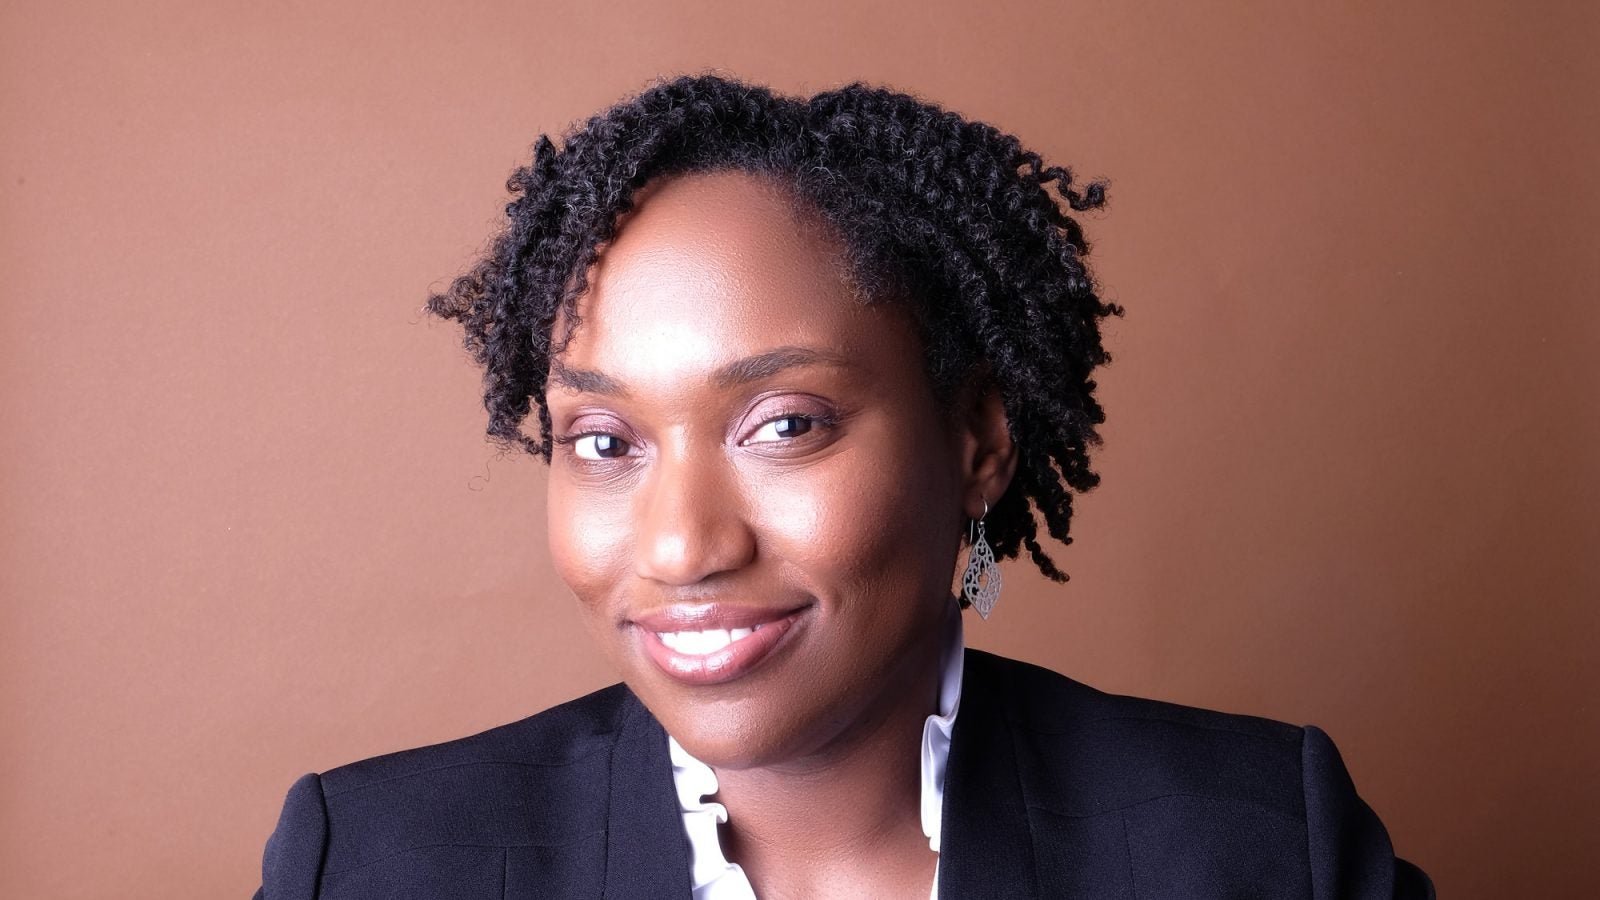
x=700 y=643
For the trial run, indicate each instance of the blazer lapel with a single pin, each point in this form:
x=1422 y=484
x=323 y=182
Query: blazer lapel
x=647 y=854
x=1012 y=827
x=986 y=847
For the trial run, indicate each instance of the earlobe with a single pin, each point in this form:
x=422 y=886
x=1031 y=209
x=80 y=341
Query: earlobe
x=990 y=456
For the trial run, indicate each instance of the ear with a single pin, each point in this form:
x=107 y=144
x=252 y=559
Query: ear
x=988 y=455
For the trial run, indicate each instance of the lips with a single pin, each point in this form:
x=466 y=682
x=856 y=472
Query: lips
x=704 y=644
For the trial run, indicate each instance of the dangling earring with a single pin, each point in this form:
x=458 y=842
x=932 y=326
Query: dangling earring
x=980 y=583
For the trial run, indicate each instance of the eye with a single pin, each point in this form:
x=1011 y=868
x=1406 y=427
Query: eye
x=599 y=446
x=781 y=428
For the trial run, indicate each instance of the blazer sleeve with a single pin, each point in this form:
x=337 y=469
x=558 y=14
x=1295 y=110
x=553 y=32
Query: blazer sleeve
x=1351 y=855
x=292 y=863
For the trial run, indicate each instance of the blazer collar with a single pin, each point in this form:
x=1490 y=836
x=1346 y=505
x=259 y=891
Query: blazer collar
x=987 y=846
x=647 y=853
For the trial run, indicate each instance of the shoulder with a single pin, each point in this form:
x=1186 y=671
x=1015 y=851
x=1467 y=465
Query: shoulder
x=558 y=738
x=1046 y=704
x=1180 y=780
x=1083 y=751
x=538 y=782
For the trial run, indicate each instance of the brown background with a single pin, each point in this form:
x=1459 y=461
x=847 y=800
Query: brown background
x=251 y=528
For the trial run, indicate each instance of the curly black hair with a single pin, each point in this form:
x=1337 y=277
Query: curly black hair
x=951 y=217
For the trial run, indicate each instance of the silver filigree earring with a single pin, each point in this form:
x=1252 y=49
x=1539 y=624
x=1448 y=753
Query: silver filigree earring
x=980 y=583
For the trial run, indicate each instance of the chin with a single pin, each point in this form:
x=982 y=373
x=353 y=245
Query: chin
x=727 y=730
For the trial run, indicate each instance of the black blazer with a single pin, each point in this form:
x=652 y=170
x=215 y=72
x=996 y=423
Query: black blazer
x=1054 y=789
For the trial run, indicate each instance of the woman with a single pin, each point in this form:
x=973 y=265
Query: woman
x=784 y=358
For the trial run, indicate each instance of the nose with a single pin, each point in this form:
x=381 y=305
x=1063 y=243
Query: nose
x=690 y=522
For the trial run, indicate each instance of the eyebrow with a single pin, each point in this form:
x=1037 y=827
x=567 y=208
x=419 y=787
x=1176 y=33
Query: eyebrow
x=740 y=371
x=765 y=365
x=585 y=381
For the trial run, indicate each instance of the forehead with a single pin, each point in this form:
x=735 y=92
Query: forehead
x=713 y=267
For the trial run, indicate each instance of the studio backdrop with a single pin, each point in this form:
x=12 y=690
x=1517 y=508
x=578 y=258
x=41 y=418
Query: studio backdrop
x=250 y=526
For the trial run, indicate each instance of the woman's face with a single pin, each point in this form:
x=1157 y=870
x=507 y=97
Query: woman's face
x=755 y=496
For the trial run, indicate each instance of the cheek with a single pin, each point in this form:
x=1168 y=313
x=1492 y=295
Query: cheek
x=851 y=526
x=588 y=541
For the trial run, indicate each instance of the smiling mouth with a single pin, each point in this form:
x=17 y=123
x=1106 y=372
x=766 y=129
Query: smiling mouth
x=713 y=644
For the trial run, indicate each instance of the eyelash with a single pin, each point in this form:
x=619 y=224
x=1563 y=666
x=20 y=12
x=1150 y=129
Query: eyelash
x=816 y=420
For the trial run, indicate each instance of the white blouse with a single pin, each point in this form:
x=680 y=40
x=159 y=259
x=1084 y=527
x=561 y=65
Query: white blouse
x=714 y=878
